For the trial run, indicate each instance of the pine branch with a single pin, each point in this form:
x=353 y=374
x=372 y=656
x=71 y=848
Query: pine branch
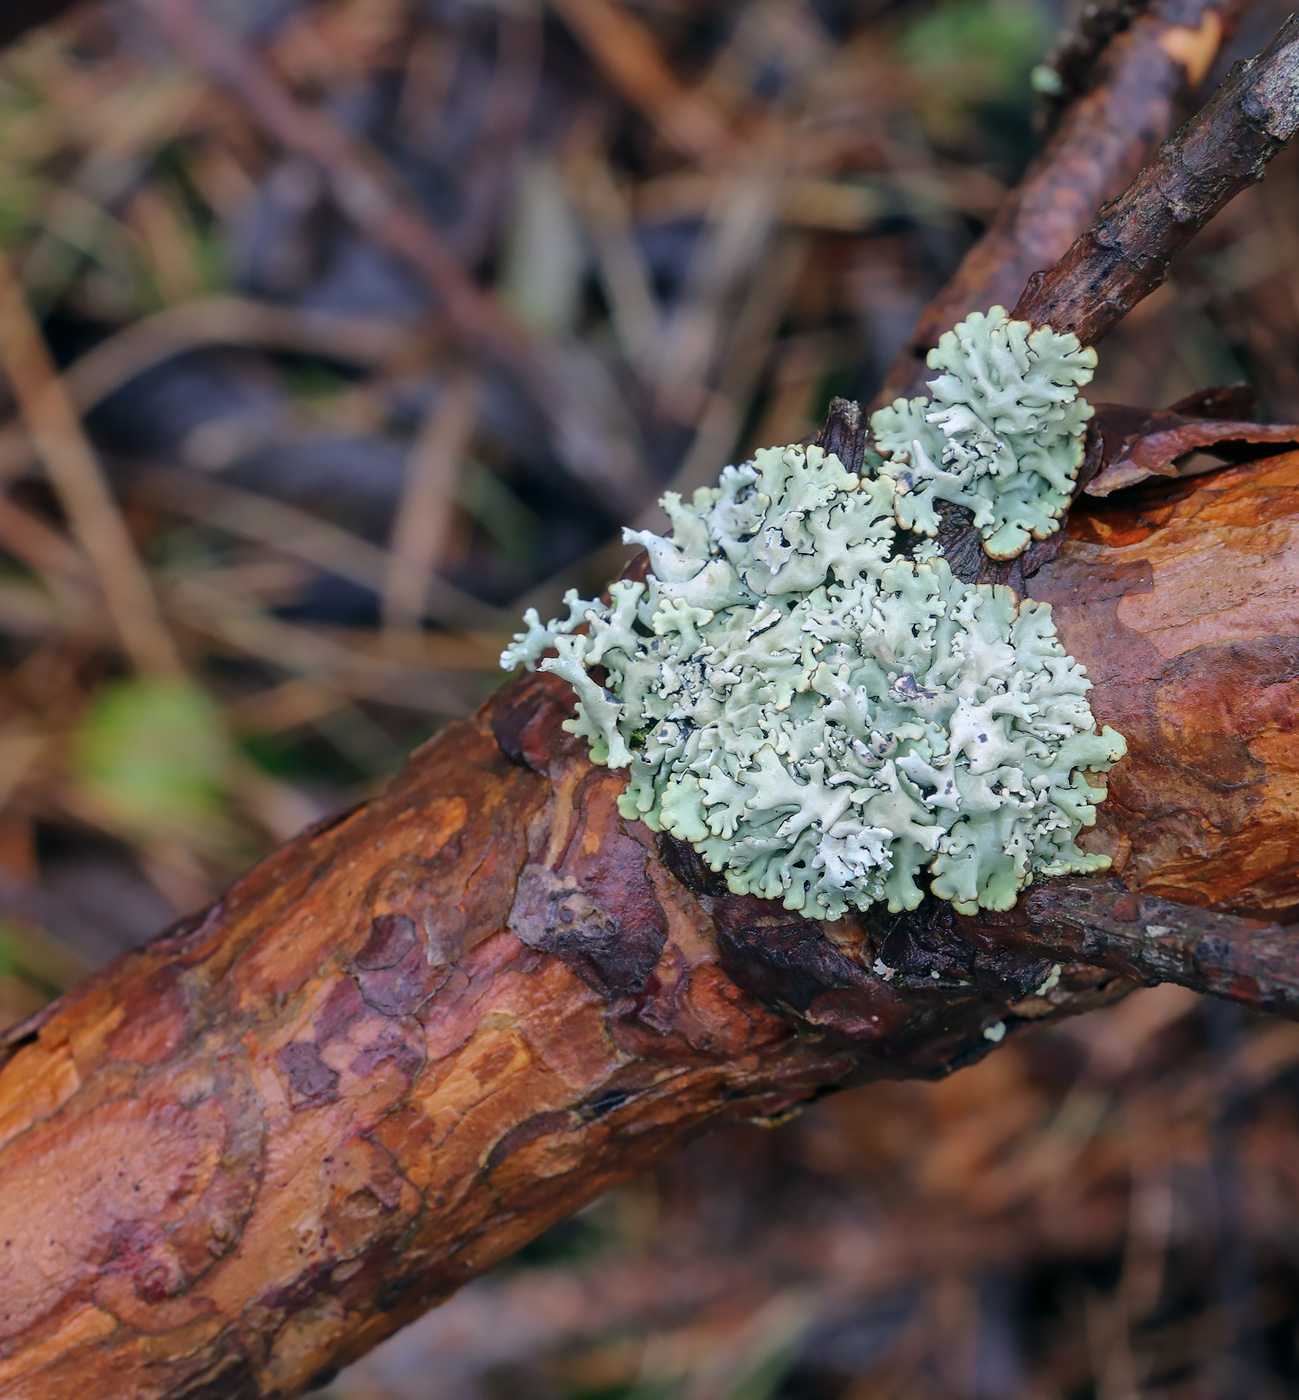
x=422 y=1032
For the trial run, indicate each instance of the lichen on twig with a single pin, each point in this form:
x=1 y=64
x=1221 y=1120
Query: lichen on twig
x=999 y=433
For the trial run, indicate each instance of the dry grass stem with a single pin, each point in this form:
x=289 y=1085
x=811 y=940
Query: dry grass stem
x=425 y=512
x=227 y=320
x=75 y=474
x=631 y=59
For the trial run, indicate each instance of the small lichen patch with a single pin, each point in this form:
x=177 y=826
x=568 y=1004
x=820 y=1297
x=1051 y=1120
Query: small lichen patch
x=826 y=718
x=1001 y=434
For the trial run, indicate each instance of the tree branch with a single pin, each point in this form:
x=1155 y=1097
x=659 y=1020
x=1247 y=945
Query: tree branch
x=421 y=1033
x=1102 y=140
x=1124 y=254
x=425 y=1030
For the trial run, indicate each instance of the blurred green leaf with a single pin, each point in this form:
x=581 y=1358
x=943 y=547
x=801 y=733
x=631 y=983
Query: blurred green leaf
x=153 y=756
x=988 y=47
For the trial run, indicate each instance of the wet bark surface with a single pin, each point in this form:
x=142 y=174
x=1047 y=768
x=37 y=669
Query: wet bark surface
x=429 y=1028
x=1183 y=603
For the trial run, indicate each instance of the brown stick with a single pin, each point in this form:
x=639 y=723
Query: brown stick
x=1102 y=141
x=418 y=1035
x=1124 y=255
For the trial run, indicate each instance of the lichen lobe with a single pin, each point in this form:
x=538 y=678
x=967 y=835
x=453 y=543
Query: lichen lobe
x=1001 y=433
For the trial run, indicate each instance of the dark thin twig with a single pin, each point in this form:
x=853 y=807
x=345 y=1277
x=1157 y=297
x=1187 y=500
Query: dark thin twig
x=76 y=474
x=1102 y=922
x=1225 y=147
x=1072 y=67
x=1100 y=143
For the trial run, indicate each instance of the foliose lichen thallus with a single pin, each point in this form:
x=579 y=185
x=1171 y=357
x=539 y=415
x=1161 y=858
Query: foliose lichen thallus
x=822 y=709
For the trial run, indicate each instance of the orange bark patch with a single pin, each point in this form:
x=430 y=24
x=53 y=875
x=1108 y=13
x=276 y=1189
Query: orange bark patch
x=125 y=1172
x=1191 y=636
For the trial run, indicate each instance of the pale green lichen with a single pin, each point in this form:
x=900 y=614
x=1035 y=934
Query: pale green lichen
x=1001 y=435
x=824 y=717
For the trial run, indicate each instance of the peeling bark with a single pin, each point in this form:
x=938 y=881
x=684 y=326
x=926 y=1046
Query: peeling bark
x=1183 y=603
x=1136 y=443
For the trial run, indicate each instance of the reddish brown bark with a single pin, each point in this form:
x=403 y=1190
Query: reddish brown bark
x=419 y=1034
x=1184 y=603
x=1101 y=142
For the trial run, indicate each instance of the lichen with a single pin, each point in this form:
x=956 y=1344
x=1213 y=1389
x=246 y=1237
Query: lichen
x=1001 y=434
x=826 y=717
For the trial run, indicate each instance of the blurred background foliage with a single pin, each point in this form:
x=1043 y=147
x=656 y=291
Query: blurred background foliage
x=339 y=331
